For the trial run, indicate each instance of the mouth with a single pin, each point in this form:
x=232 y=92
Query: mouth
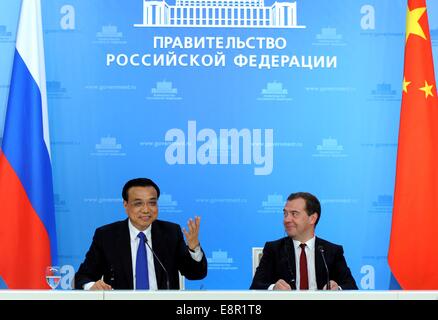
x=145 y=217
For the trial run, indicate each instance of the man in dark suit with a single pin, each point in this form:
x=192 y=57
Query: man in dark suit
x=297 y=261
x=142 y=252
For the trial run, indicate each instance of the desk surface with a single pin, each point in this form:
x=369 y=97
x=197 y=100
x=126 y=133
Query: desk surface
x=215 y=295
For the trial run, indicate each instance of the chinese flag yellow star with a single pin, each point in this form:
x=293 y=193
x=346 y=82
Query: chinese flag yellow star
x=412 y=24
x=427 y=89
x=405 y=85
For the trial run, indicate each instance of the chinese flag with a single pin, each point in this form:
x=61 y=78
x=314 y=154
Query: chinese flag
x=413 y=249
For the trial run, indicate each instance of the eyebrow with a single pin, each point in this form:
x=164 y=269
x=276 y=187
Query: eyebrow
x=291 y=211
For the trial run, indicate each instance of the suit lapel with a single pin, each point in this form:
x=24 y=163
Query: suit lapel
x=124 y=249
x=321 y=273
x=159 y=246
x=290 y=261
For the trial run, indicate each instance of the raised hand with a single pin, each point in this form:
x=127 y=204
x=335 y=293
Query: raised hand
x=193 y=232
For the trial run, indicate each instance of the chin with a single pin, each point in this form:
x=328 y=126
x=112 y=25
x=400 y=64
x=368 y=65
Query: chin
x=290 y=234
x=144 y=225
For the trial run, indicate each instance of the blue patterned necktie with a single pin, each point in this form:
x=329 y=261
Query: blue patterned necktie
x=141 y=265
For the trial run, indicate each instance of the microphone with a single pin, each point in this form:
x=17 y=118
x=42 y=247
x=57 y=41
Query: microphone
x=288 y=251
x=321 y=249
x=112 y=277
x=162 y=266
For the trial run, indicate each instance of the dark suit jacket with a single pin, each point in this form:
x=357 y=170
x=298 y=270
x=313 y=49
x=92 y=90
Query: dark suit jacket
x=110 y=255
x=278 y=262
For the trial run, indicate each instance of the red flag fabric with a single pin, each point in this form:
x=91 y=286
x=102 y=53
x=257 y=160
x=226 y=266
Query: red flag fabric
x=413 y=251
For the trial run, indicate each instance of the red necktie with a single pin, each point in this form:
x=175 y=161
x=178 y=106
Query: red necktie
x=304 y=282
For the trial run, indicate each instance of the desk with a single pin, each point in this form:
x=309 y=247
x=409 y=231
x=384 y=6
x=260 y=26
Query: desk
x=215 y=295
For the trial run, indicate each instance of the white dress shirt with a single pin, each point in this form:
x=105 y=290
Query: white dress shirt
x=135 y=241
x=310 y=255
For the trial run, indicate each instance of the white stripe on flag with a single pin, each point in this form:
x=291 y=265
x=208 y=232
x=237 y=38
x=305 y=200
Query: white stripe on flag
x=31 y=49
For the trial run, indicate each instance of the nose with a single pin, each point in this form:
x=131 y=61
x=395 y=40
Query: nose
x=144 y=208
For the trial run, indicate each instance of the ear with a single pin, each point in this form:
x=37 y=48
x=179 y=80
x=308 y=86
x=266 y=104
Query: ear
x=313 y=218
x=125 y=204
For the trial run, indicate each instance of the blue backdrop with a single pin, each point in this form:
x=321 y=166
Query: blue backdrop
x=227 y=120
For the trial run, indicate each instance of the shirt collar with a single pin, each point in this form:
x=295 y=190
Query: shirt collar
x=309 y=243
x=133 y=231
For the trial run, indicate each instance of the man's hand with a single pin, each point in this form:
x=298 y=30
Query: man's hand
x=333 y=286
x=100 y=285
x=281 y=285
x=193 y=232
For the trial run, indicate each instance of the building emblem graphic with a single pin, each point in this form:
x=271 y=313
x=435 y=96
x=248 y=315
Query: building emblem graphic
x=164 y=90
x=108 y=146
x=109 y=31
x=330 y=148
x=382 y=205
x=433 y=37
x=4 y=32
x=329 y=36
x=109 y=34
x=273 y=204
x=219 y=14
x=274 y=91
x=384 y=92
x=220 y=261
x=168 y=205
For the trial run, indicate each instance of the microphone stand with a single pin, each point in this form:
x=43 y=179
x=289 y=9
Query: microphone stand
x=162 y=266
x=288 y=252
x=321 y=249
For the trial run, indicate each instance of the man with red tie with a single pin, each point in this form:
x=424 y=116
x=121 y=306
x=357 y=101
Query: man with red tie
x=301 y=260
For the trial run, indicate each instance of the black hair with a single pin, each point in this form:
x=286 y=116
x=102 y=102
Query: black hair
x=139 y=182
x=312 y=203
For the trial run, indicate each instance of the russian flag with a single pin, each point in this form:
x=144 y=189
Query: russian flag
x=27 y=216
